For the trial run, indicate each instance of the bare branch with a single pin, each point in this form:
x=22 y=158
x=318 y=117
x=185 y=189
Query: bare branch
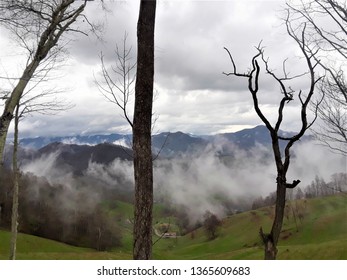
x=118 y=85
x=162 y=147
x=234 y=67
x=253 y=81
x=326 y=32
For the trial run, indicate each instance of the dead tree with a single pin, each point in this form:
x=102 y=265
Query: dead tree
x=325 y=22
x=282 y=158
x=38 y=26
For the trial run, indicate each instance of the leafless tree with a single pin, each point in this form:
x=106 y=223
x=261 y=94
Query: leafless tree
x=282 y=158
x=117 y=83
x=44 y=103
x=38 y=26
x=142 y=127
x=325 y=22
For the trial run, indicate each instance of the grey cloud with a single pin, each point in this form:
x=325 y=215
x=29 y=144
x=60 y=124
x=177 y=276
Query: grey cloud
x=118 y=18
x=190 y=59
x=194 y=95
x=81 y=124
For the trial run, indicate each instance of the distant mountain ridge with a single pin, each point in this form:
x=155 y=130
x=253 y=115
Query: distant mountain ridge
x=75 y=153
x=39 y=142
x=168 y=143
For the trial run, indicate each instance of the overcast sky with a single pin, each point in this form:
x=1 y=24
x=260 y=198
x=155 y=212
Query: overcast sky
x=192 y=94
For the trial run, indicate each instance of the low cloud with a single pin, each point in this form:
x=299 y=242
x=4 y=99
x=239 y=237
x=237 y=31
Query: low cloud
x=204 y=180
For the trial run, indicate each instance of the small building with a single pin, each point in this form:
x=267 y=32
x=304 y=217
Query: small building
x=170 y=235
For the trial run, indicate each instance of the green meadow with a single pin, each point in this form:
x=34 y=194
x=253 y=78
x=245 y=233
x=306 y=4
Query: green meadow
x=318 y=230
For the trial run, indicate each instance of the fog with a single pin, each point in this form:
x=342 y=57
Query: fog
x=201 y=181
x=195 y=180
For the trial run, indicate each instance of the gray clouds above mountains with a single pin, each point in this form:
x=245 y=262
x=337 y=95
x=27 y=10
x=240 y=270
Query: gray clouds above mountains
x=193 y=94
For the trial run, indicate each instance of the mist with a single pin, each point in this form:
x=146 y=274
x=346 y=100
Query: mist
x=206 y=180
x=71 y=191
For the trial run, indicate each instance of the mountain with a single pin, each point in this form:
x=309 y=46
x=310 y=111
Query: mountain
x=248 y=138
x=39 y=142
x=168 y=143
x=77 y=157
x=71 y=157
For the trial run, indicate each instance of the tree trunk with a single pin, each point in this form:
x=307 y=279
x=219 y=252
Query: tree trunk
x=14 y=217
x=142 y=124
x=270 y=241
x=12 y=102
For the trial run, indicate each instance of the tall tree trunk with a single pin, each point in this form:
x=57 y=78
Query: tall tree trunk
x=142 y=125
x=14 y=218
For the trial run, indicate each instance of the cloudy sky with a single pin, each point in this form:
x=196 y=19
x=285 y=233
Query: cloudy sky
x=192 y=94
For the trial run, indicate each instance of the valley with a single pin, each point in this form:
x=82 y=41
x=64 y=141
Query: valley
x=76 y=201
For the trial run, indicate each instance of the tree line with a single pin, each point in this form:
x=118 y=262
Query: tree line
x=57 y=212
x=317 y=188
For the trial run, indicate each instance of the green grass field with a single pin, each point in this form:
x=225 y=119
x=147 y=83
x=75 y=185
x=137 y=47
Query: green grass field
x=320 y=234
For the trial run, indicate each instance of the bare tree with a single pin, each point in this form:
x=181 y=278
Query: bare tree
x=282 y=158
x=117 y=83
x=333 y=113
x=38 y=26
x=44 y=103
x=325 y=22
x=142 y=126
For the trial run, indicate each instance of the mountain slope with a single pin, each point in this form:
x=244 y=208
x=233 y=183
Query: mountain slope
x=77 y=157
x=322 y=234
x=31 y=247
x=170 y=144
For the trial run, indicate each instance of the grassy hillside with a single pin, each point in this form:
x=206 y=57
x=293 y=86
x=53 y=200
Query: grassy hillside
x=37 y=248
x=321 y=233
